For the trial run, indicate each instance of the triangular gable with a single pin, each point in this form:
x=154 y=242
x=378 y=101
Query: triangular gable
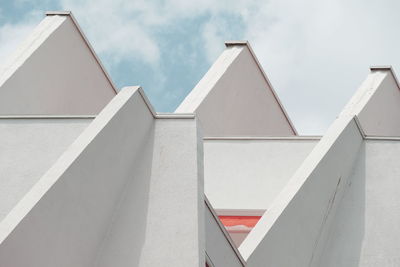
x=381 y=115
x=306 y=207
x=55 y=72
x=235 y=98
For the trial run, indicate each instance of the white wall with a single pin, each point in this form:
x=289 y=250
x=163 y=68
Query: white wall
x=129 y=191
x=365 y=229
x=249 y=174
x=235 y=99
x=219 y=249
x=381 y=116
x=28 y=148
x=54 y=73
x=293 y=230
x=160 y=218
x=64 y=217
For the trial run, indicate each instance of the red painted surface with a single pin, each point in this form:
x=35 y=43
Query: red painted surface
x=249 y=221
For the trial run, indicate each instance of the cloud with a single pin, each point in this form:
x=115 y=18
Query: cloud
x=212 y=34
x=140 y=32
x=316 y=53
x=11 y=36
x=129 y=29
x=117 y=29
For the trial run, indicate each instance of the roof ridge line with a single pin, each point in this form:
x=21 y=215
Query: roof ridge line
x=69 y=14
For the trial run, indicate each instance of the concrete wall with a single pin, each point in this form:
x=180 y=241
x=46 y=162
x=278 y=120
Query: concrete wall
x=381 y=116
x=248 y=174
x=64 y=217
x=219 y=249
x=234 y=98
x=304 y=226
x=365 y=229
x=160 y=219
x=129 y=191
x=54 y=72
x=28 y=148
x=293 y=230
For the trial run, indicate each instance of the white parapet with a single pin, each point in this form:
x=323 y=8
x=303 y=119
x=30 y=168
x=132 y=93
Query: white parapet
x=298 y=219
x=128 y=191
x=364 y=231
x=160 y=218
x=308 y=223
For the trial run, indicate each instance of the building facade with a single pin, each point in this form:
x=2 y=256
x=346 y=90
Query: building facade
x=91 y=175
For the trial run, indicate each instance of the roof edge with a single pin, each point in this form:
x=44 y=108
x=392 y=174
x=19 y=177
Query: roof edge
x=156 y=115
x=386 y=68
x=236 y=42
x=39 y=116
x=381 y=67
x=263 y=138
x=69 y=14
x=58 y=12
x=246 y=43
x=224 y=231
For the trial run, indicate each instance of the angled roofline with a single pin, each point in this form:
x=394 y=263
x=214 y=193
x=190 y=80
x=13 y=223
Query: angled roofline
x=23 y=117
x=264 y=138
x=69 y=14
x=382 y=138
x=311 y=164
x=156 y=115
x=224 y=231
x=386 y=68
x=246 y=43
x=381 y=67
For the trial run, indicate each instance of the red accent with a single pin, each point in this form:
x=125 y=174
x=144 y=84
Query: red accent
x=249 y=221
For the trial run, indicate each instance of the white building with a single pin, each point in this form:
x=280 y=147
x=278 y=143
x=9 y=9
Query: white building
x=92 y=177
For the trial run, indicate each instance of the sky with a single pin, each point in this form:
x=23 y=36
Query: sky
x=316 y=53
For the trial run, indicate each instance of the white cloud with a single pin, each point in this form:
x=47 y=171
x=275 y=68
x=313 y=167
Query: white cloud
x=316 y=53
x=117 y=28
x=11 y=35
x=128 y=29
x=213 y=38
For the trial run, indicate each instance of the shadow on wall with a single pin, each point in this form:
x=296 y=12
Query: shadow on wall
x=344 y=245
x=125 y=238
